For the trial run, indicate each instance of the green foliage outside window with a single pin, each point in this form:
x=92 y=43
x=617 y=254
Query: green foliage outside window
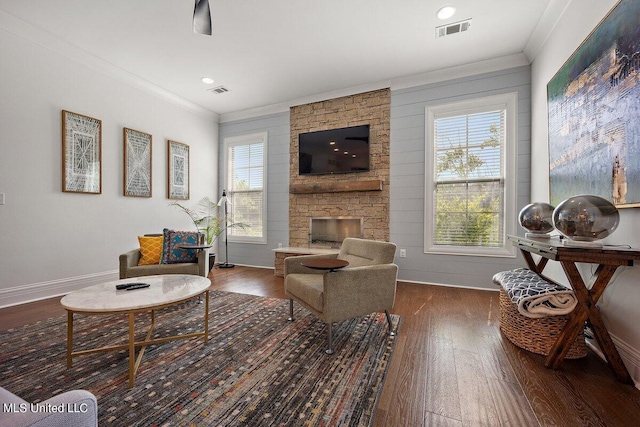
x=469 y=190
x=246 y=207
x=472 y=220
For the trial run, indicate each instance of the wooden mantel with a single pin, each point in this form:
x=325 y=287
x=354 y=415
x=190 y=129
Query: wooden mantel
x=336 y=187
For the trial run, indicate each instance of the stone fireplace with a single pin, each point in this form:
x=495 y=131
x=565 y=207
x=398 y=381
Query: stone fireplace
x=363 y=196
x=329 y=232
x=354 y=204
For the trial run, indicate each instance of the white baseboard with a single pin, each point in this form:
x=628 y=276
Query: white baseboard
x=39 y=291
x=630 y=356
x=252 y=266
x=447 y=285
x=53 y=288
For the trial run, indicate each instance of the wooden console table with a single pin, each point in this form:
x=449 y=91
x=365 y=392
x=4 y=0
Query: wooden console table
x=608 y=260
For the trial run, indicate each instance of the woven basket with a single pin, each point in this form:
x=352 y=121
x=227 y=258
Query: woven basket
x=535 y=335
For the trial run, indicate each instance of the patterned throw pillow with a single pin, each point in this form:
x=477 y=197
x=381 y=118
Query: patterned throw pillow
x=150 y=249
x=171 y=253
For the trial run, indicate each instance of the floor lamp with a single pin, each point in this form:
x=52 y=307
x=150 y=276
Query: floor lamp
x=224 y=200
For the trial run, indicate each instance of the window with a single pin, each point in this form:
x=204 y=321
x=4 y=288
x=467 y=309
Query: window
x=246 y=185
x=470 y=176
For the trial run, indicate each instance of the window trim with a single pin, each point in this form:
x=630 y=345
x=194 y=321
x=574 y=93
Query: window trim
x=246 y=140
x=508 y=102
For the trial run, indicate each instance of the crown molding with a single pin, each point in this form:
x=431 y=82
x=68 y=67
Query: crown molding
x=396 y=83
x=547 y=23
x=460 y=71
x=285 y=106
x=42 y=38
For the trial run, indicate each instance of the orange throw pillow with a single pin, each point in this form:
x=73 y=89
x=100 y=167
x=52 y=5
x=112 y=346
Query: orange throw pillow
x=150 y=249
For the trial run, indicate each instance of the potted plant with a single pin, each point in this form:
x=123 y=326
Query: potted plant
x=208 y=222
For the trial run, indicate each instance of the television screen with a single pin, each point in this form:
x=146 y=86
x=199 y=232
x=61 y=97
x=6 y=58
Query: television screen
x=334 y=151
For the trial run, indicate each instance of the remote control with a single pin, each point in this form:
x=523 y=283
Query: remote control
x=138 y=286
x=129 y=285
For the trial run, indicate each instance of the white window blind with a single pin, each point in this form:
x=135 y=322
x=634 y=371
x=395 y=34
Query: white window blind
x=246 y=176
x=470 y=179
x=470 y=176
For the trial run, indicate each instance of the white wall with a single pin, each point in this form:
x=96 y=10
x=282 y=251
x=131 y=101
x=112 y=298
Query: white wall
x=53 y=241
x=408 y=175
x=277 y=128
x=620 y=302
x=407 y=178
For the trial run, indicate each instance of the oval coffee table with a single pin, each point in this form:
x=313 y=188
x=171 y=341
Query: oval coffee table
x=163 y=291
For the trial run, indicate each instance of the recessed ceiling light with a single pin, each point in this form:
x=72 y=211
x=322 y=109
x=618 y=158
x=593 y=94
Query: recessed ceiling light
x=446 y=12
x=207 y=80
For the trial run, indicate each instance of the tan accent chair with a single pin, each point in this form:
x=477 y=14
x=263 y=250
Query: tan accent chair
x=367 y=285
x=129 y=266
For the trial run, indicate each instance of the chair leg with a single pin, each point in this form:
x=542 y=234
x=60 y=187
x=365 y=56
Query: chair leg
x=391 y=331
x=290 y=319
x=329 y=339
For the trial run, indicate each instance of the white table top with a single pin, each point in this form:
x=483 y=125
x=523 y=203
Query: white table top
x=164 y=289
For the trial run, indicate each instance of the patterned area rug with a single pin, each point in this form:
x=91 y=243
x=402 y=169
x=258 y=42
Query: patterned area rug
x=258 y=369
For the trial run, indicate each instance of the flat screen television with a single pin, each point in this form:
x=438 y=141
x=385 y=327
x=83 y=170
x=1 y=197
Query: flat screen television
x=332 y=151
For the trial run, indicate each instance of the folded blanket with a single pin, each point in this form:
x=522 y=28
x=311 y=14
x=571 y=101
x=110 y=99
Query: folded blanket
x=534 y=296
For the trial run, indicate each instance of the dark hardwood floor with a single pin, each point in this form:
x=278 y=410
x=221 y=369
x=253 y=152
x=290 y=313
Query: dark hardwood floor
x=451 y=365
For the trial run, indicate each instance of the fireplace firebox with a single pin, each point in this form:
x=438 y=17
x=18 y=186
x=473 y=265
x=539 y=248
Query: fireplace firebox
x=329 y=232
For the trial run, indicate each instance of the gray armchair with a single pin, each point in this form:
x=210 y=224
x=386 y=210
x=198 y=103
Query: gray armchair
x=79 y=409
x=367 y=285
x=129 y=266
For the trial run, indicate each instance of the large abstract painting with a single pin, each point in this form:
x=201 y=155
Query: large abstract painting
x=594 y=114
x=81 y=153
x=137 y=163
x=178 y=170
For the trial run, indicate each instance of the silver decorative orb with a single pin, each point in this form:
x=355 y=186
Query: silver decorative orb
x=586 y=218
x=537 y=218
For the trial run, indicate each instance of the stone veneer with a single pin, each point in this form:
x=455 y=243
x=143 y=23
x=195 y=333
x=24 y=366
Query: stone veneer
x=373 y=108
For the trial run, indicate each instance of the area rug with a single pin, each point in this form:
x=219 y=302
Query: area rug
x=258 y=369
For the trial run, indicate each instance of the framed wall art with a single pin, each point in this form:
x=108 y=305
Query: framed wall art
x=81 y=153
x=178 y=170
x=137 y=163
x=594 y=131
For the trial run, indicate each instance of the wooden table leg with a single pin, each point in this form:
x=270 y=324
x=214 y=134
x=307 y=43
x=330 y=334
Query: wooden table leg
x=568 y=334
x=577 y=317
x=586 y=308
x=531 y=264
x=69 y=338
x=602 y=278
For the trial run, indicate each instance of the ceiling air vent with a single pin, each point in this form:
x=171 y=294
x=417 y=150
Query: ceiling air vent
x=219 y=89
x=458 y=27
